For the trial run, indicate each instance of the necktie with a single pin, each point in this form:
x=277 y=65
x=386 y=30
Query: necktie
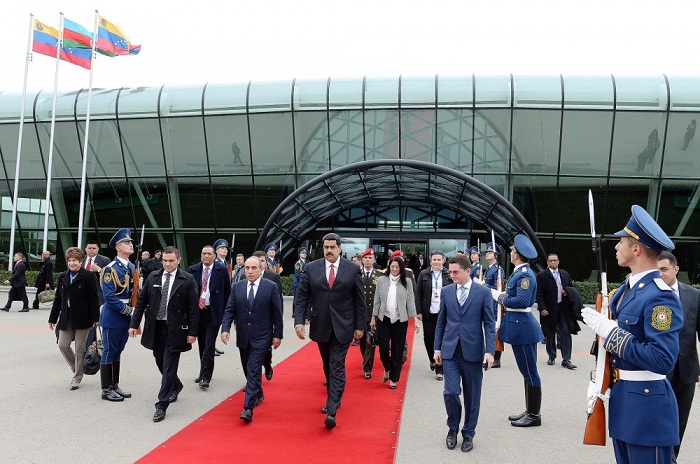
x=331 y=276
x=624 y=293
x=205 y=282
x=162 y=307
x=251 y=296
x=89 y=264
x=462 y=295
x=559 y=289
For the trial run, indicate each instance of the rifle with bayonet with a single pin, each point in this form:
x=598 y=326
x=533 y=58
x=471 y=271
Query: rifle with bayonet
x=599 y=388
x=137 y=274
x=500 y=308
x=230 y=258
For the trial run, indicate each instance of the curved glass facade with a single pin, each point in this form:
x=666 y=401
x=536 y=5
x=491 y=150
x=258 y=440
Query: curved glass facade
x=197 y=163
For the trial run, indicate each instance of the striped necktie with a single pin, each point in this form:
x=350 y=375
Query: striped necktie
x=462 y=295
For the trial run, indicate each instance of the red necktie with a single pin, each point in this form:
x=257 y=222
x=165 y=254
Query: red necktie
x=89 y=264
x=331 y=276
x=205 y=282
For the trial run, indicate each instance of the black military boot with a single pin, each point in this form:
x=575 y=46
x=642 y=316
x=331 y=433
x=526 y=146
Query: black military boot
x=516 y=417
x=497 y=360
x=106 y=378
x=533 y=417
x=115 y=381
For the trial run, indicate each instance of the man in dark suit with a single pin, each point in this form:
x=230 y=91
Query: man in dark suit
x=465 y=340
x=275 y=278
x=170 y=300
x=554 y=320
x=256 y=309
x=18 y=281
x=420 y=264
x=331 y=292
x=95 y=262
x=44 y=280
x=686 y=371
x=214 y=286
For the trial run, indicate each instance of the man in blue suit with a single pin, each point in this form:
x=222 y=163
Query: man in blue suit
x=214 y=286
x=465 y=340
x=642 y=338
x=256 y=309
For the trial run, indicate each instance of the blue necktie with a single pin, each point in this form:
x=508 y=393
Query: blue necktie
x=251 y=296
x=462 y=295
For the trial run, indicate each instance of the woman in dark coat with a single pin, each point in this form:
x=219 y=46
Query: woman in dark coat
x=75 y=309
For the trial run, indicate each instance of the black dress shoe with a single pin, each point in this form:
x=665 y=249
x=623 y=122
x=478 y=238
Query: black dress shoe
x=496 y=364
x=173 y=397
x=24 y=310
x=247 y=415
x=197 y=379
x=550 y=362
x=467 y=445
x=259 y=400
x=516 y=417
x=528 y=420
x=268 y=373
x=159 y=415
x=5 y=309
x=204 y=383
x=121 y=392
x=451 y=440
x=330 y=421
x=110 y=395
x=566 y=363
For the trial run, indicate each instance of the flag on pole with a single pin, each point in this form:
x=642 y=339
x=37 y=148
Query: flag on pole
x=75 y=35
x=45 y=39
x=78 y=56
x=112 y=41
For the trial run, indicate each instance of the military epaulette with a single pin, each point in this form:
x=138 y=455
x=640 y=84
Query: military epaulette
x=612 y=292
x=661 y=284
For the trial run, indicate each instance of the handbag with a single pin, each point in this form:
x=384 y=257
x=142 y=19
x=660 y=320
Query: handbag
x=47 y=296
x=93 y=352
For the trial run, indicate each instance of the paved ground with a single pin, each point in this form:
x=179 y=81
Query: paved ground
x=44 y=421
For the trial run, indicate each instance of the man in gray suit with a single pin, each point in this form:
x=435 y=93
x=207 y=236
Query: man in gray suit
x=331 y=291
x=687 y=369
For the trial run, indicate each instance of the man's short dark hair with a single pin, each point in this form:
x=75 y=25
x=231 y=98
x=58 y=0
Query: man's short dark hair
x=172 y=249
x=462 y=261
x=669 y=256
x=241 y=255
x=332 y=236
x=436 y=252
x=92 y=242
x=259 y=254
x=209 y=246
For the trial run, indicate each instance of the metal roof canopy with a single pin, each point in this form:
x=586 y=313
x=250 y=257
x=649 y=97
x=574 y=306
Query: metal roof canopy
x=391 y=182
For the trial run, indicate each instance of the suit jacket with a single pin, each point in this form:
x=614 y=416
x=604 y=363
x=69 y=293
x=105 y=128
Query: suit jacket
x=547 y=295
x=370 y=286
x=341 y=309
x=84 y=308
x=258 y=325
x=19 y=275
x=101 y=261
x=424 y=289
x=275 y=278
x=405 y=299
x=45 y=275
x=182 y=310
x=418 y=268
x=472 y=325
x=219 y=288
x=690 y=333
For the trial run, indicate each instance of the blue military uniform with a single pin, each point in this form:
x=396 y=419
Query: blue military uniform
x=643 y=412
x=271 y=262
x=476 y=267
x=491 y=277
x=116 y=280
x=299 y=269
x=218 y=244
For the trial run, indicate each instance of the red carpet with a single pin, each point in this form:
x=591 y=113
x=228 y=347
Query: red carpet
x=288 y=425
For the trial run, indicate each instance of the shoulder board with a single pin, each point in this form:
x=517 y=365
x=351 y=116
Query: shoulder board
x=661 y=284
x=524 y=270
x=297 y=265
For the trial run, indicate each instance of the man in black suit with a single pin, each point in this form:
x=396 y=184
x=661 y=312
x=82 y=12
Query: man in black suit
x=420 y=264
x=214 y=285
x=553 y=318
x=44 y=281
x=170 y=300
x=18 y=280
x=687 y=369
x=331 y=292
x=95 y=262
x=256 y=309
x=274 y=277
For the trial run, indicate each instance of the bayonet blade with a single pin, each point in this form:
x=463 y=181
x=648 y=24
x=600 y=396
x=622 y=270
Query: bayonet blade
x=591 y=212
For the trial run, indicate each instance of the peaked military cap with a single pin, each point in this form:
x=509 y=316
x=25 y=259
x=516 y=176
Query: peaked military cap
x=122 y=235
x=524 y=246
x=642 y=227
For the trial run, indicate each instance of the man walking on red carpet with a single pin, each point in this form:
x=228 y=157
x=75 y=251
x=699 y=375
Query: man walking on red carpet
x=331 y=291
x=256 y=309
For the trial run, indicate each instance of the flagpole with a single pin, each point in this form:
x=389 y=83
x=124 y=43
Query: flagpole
x=10 y=261
x=51 y=136
x=87 y=136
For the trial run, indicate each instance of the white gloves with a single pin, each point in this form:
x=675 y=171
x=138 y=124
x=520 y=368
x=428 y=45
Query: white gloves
x=478 y=281
x=495 y=294
x=600 y=324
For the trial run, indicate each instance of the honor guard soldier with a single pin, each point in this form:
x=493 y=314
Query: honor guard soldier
x=491 y=278
x=272 y=264
x=221 y=249
x=642 y=339
x=474 y=257
x=117 y=285
x=299 y=268
x=369 y=283
x=520 y=329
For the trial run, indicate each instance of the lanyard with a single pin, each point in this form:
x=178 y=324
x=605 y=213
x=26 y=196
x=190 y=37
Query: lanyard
x=436 y=277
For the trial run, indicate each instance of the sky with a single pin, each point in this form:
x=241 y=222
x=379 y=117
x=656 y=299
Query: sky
x=207 y=41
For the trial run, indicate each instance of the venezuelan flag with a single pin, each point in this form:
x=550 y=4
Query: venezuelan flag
x=45 y=39
x=75 y=35
x=112 y=41
x=78 y=56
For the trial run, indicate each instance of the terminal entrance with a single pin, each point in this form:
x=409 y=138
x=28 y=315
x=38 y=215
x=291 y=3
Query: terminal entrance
x=384 y=248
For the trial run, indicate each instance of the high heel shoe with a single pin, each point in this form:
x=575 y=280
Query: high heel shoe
x=392 y=385
x=385 y=377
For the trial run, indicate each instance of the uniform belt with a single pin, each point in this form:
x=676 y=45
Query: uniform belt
x=637 y=376
x=125 y=300
x=518 y=310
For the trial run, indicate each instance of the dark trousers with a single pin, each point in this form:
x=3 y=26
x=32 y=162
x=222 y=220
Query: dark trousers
x=391 y=340
x=113 y=341
x=429 y=324
x=561 y=329
x=684 y=397
x=333 y=355
x=471 y=376
x=17 y=294
x=252 y=361
x=367 y=349
x=526 y=359
x=206 y=342
x=167 y=362
x=627 y=453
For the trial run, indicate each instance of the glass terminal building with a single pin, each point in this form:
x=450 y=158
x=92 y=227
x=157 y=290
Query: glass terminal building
x=434 y=161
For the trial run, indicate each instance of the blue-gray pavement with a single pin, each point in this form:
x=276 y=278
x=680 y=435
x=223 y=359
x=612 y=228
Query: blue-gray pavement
x=47 y=423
